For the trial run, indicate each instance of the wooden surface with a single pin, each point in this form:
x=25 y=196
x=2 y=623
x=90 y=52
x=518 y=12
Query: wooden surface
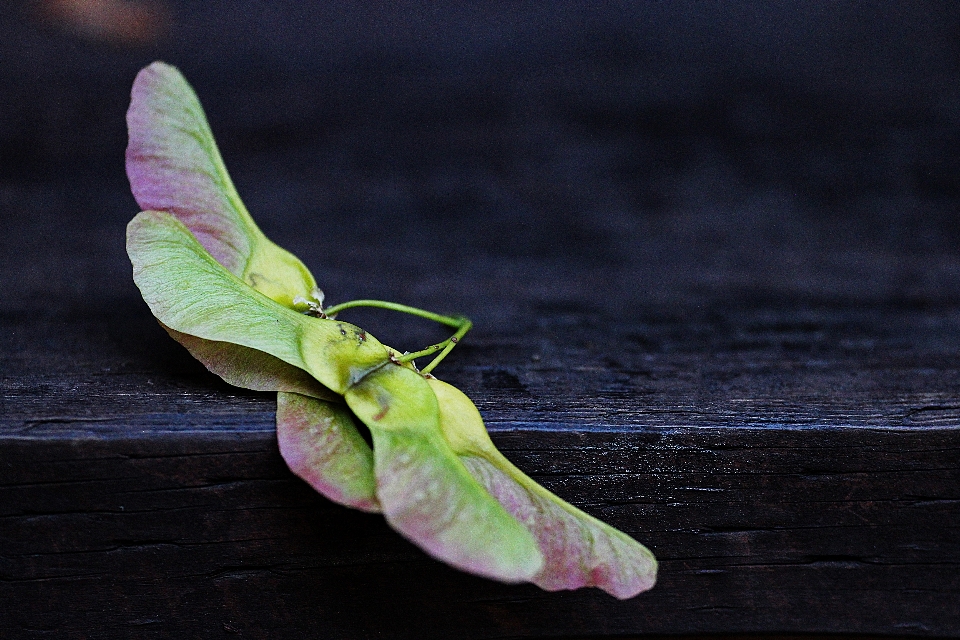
x=726 y=321
x=782 y=490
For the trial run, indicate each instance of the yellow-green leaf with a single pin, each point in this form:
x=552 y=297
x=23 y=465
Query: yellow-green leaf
x=251 y=369
x=578 y=550
x=425 y=491
x=190 y=292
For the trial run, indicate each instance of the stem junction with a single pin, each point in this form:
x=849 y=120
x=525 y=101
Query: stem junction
x=460 y=323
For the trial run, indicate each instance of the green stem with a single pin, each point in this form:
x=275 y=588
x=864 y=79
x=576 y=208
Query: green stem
x=461 y=324
x=450 y=321
x=451 y=343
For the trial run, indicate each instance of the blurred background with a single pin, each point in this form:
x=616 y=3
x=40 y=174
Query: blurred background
x=770 y=186
x=503 y=158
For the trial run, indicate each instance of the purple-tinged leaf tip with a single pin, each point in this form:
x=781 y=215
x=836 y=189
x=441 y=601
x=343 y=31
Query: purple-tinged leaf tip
x=320 y=443
x=173 y=165
x=578 y=550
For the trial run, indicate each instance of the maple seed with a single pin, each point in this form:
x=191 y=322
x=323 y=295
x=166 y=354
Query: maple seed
x=431 y=469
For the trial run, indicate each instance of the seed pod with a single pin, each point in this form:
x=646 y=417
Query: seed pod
x=251 y=312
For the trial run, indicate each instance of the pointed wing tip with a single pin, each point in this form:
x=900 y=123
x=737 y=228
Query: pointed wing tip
x=308 y=440
x=157 y=67
x=626 y=590
x=619 y=582
x=580 y=551
x=612 y=582
x=148 y=219
x=300 y=465
x=144 y=85
x=631 y=578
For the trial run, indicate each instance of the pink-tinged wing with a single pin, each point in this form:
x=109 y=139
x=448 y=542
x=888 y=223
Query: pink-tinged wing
x=251 y=369
x=425 y=491
x=320 y=443
x=173 y=165
x=578 y=550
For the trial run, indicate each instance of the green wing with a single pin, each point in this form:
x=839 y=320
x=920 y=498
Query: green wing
x=190 y=292
x=425 y=491
x=578 y=550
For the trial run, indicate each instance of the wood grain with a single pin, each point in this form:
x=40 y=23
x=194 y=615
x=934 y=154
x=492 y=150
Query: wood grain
x=723 y=317
x=782 y=492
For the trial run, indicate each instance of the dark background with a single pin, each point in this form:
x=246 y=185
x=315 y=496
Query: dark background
x=601 y=159
x=711 y=253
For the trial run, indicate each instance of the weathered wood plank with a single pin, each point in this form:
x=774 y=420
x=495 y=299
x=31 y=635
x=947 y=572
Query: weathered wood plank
x=135 y=531
x=793 y=465
x=720 y=311
x=152 y=497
